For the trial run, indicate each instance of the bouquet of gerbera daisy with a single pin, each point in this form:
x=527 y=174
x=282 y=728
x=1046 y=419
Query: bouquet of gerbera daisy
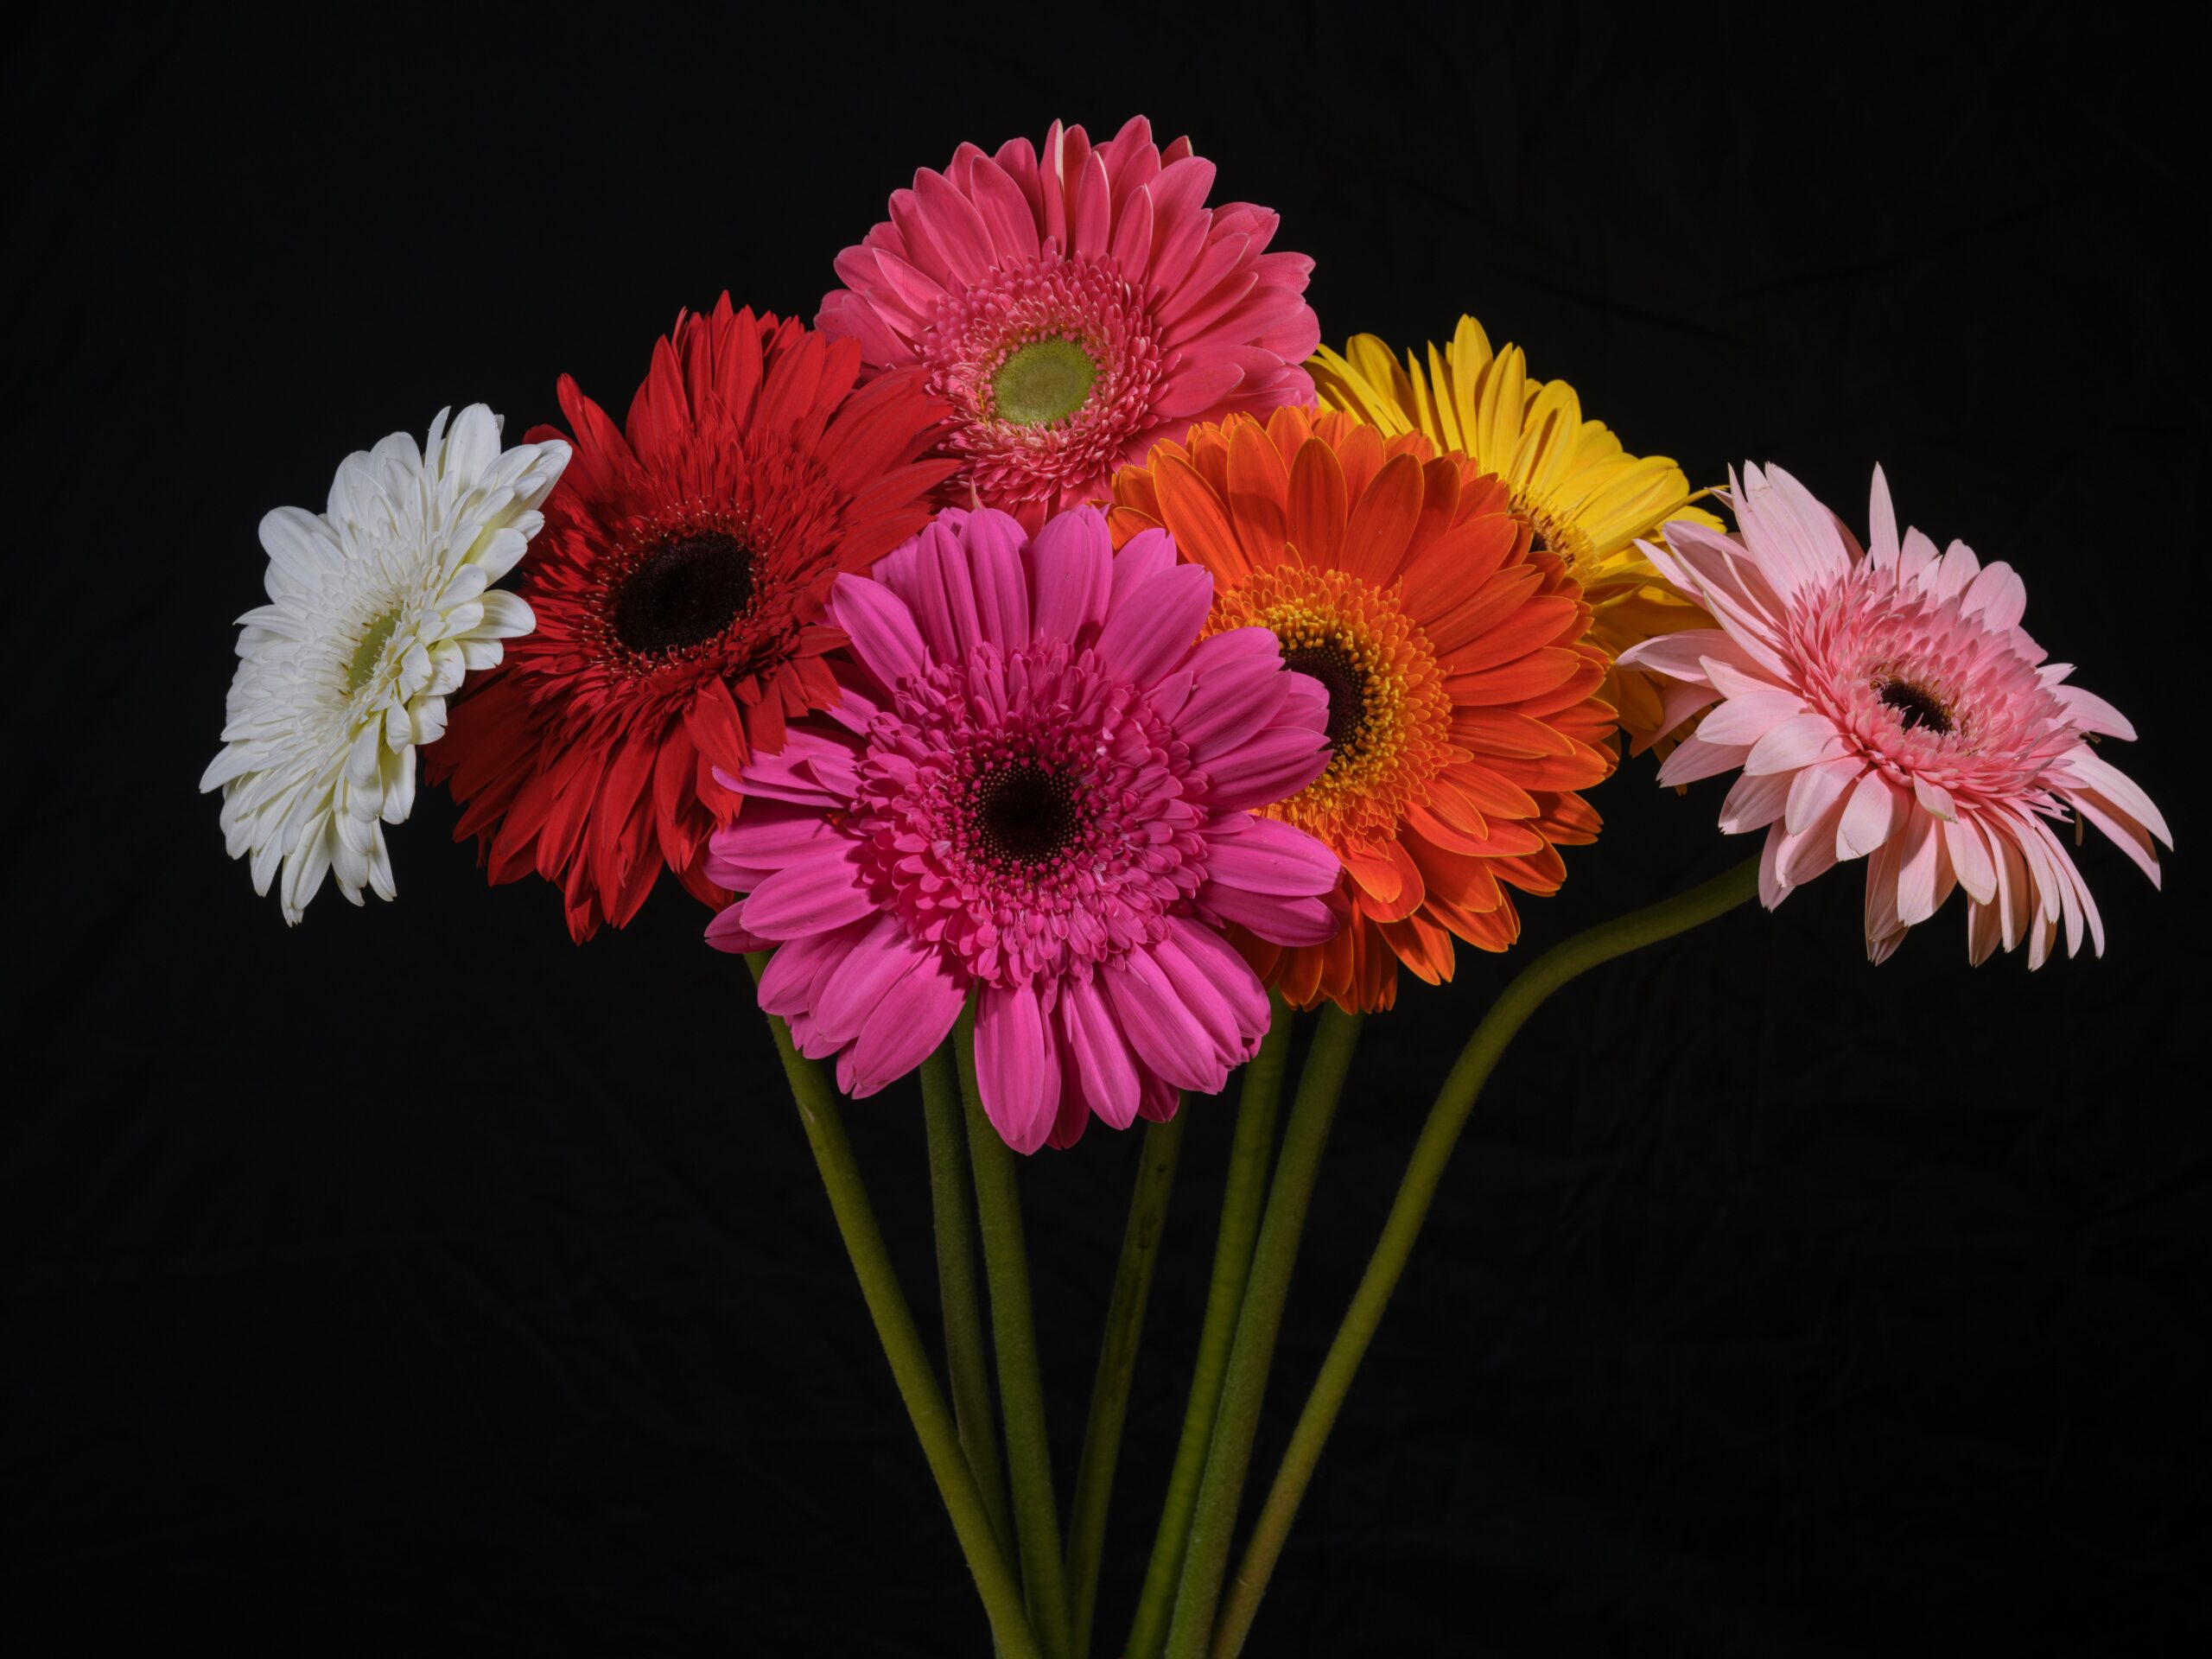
x=1055 y=674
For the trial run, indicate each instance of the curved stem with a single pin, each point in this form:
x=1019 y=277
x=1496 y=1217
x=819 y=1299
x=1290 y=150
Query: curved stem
x=1117 y=1364
x=952 y=1204
x=1249 y=1156
x=1213 y=1526
x=1021 y=1388
x=1562 y=963
x=902 y=1342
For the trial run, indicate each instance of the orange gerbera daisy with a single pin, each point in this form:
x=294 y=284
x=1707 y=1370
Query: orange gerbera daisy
x=1462 y=690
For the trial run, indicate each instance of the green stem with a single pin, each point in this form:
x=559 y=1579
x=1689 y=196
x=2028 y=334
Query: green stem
x=952 y=1202
x=1213 y=1527
x=1117 y=1364
x=902 y=1342
x=1249 y=1157
x=1022 y=1388
x=1522 y=998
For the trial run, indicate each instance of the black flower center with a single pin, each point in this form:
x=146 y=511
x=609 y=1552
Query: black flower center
x=1024 y=814
x=1917 y=706
x=688 y=589
x=1343 y=678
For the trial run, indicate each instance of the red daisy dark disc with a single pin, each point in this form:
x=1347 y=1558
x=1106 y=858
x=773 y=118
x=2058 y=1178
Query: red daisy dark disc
x=677 y=586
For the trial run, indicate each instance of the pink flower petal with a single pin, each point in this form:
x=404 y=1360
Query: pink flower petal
x=1001 y=585
x=930 y=577
x=881 y=629
x=1745 y=719
x=1092 y=1035
x=1017 y=1065
x=1923 y=869
x=787 y=983
x=1165 y=1037
x=813 y=893
x=1680 y=655
x=1934 y=799
x=1211 y=975
x=845 y=998
x=1144 y=556
x=1694 y=758
x=1882 y=524
x=727 y=933
x=767 y=836
x=1755 y=801
x=2128 y=796
x=2091 y=713
x=1869 y=817
x=1997 y=597
x=1800 y=741
x=1273 y=766
x=1815 y=789
x=1154 y=627
x=1237 y=699
x=1197 y=389
x=1277 y=919
x=1071 y=569
x=1266 y=856
x=1969 y=856
x=1005 y=212
x=914 y=1018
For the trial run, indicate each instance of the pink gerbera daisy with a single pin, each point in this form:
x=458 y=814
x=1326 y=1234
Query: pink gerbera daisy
x=1038 y=786
x=1886 y=704
x=1076 y=308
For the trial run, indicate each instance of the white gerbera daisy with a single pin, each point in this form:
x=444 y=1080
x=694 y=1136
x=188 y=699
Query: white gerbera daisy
x=378 y=607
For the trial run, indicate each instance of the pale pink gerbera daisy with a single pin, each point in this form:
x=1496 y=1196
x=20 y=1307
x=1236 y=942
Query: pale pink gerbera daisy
x=1885 y=703
x=1075 y=308
x=1038 y=786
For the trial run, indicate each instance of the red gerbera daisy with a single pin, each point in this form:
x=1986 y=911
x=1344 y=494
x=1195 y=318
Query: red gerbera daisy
x=678 y=585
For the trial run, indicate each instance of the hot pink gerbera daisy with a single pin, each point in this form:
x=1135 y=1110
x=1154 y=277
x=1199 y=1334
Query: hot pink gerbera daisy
x=1885 y=703
x=1075 y=309
x=1038 y=786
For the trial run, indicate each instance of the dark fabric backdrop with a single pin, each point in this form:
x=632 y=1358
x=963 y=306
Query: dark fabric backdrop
x=416 y=1282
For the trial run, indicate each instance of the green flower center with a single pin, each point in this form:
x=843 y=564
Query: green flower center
x=370 y=651
x=1042 y=382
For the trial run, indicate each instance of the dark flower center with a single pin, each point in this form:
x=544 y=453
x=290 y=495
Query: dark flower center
x=688 y=589
x=1024 y=814
x=1345 y=682
x=1917 y=706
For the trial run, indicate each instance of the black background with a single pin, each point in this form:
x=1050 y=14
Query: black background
x=414 y=1281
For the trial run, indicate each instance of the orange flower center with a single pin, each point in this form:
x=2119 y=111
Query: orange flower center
x=1389 y=713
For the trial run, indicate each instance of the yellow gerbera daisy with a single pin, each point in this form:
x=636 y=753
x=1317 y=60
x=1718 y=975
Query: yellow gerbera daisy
x=1585 y=497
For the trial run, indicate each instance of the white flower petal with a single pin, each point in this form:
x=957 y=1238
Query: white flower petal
x=379 y=608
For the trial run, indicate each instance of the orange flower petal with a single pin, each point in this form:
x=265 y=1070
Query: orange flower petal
x=1317 y=504
x=1519 y=680
x=1200 y=522
x=1382 y=521
x=1423 y=945
x=1259 y=485
x=1469 y=603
